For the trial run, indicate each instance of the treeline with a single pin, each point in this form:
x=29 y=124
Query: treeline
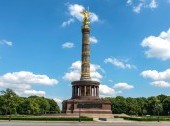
x=10 y=103
x=159 y=105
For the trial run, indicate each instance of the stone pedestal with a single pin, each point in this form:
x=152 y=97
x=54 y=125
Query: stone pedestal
x=85 y=99
x=86 y=106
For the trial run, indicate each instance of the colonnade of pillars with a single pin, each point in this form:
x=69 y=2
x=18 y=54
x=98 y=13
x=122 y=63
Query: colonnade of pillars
x=85 y=90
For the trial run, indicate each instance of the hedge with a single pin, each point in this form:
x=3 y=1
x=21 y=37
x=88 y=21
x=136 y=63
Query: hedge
x=147 y=118
x=46 y=118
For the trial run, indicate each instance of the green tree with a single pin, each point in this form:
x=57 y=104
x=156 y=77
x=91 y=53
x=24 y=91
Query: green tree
x=161 y=97
x=142 y=110
x=118 y=105
x=3 y=108
x=29 y=106
x=9 y=101
x=43 y=103
x=151 y=105
x=53 y=106
x=158 y=107
x=166 y=105
x=132 y=106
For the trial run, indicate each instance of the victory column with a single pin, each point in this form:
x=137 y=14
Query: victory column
x=85 y=92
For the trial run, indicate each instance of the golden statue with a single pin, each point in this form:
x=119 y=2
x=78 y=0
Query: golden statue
x=86 y=15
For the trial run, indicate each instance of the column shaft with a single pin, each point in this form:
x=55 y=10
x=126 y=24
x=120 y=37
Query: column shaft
x=84 y=90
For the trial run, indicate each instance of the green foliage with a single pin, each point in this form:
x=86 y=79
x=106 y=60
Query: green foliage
x=132 y=106
x=159 y=105
x=166 y=106
x=151 y=118
x=10 y=103
x=41 y=118
x=118 y=105
x=53 y=106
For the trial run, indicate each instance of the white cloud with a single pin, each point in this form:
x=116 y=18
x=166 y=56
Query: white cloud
x=155 y=75
x=33 y=92
x=153 y=4
x=74 y=12
x=123 y=86
x=68 y=45
x=106 y=91
x=93 y=17
x=5 y=42
x=67 y=23
x=138 y=5
x=93 y=39
x=22 y=81
x=137 y=8
x=74 y=73
x=162 y=84
x=161 y=79
x=158 y=47
x=119 y=63
x=59 y=102
x=25 y=77
x=129 y=2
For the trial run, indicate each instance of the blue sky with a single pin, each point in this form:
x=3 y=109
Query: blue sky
x=40 y=46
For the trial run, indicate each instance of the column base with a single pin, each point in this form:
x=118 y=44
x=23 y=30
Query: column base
x=87 y=106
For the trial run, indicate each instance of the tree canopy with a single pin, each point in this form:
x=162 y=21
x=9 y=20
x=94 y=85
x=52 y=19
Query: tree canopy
x=11 y=103
x=140 y=106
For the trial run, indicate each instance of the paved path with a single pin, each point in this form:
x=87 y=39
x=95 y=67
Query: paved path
x=27 y=123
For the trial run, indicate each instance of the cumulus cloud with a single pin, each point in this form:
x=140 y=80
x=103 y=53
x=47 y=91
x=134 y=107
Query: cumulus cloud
x=33 y=92
x=153 y=4
x=158 y=47
x=68 y=45
x=138 y=5
x=67 y=23
x=123 y=86
x=119 y=63
x=75 y=69
x=21 y=82
x=93 y=39
x=59 y=102
x=106 y=91
x=162 y=84
x=74 y=12
x=5 y=42
x=155 y=75
x=160 y=79
x=130 y=2
x=25 y=77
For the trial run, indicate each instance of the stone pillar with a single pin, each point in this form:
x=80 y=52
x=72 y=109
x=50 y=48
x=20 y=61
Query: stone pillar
x=97 y=91
x=75 y=92
x=79 y=90
x=72 y=91
x=90 y=91
x=94 y=91
x=84 y=90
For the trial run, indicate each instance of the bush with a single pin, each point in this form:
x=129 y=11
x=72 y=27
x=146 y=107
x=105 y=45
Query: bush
x=45 y=118
x=154 y=118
